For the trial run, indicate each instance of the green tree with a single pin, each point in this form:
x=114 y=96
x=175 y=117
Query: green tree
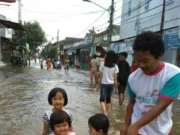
x=34 y=36
x=52 y=52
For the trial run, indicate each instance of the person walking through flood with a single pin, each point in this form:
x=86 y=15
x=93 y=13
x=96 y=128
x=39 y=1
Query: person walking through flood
x=48 y=62
x=66 y=65
x=152 y=88
x=41 y=63
x=93 y=69
x=124 y=72
x=108 y=80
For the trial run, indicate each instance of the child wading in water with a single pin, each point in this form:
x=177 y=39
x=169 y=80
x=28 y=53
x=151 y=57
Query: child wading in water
x=98 y=124
x=57 y=98
x=60 y=123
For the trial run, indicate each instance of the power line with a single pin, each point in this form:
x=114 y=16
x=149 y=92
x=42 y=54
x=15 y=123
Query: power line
x=152 y=15
x=118 y=1
x=103 y=24
x=123 y=5
x=132 y=10
x=107 y=21
x=39 y=12
x=142 y=13
x=160 y=23
x=146 y=16
x=91 y=24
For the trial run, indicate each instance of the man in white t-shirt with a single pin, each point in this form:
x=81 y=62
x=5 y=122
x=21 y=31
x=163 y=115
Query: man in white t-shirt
x=152 y=89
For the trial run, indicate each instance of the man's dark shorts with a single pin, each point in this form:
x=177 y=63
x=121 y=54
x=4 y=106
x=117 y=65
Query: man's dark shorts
x=121 y=88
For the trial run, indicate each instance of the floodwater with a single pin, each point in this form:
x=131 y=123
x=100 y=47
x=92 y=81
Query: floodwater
x=23 y=100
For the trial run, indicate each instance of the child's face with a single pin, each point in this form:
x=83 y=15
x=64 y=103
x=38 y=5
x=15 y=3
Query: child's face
x=58 y=101
x=62 y=128
x=93 y=131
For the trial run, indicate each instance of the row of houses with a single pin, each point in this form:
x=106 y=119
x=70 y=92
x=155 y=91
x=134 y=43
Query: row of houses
x=137 y=16
x=80 y=50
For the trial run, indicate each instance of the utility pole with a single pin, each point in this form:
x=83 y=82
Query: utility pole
x=58 y=47
x=110 y=27
x=19 y=12
x=111 y=23
x=162 y=18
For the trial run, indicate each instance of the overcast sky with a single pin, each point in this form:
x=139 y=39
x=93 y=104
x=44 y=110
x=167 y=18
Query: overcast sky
x=73 y=18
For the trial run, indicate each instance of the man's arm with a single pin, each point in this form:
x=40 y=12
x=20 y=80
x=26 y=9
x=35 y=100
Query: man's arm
x=127 y=121
x=129 y=112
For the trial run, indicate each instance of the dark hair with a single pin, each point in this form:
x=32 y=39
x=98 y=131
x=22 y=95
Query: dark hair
x=99 y=122
x=94 y=56
x=59 y=117
x=125 y=54
x=149 y=41
x=53 y=92
x=110 y=59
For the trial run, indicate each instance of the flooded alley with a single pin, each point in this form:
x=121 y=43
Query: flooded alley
x=23 y=100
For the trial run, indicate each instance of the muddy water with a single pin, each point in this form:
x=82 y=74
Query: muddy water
x=23 y=100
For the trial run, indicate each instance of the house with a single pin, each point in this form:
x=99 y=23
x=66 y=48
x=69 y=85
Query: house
x=65 y=46
x=100 y=41
x=6 y=46
x=145 y=15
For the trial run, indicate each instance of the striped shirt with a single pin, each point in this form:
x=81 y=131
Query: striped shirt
x=46 y=119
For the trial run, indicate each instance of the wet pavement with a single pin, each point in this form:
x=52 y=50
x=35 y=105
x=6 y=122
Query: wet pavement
x=23 y=100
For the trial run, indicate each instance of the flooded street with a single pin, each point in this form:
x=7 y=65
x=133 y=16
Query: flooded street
x=23 y=100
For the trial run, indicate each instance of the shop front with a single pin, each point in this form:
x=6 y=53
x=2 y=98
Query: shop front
x=125 y=46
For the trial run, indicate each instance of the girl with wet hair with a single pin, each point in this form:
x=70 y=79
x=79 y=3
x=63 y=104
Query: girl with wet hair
x=98 y=124
x=60 y=123
x=57 y=98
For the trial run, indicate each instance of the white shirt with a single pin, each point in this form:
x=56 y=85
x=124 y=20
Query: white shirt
x=108 y=73
x=147 y=89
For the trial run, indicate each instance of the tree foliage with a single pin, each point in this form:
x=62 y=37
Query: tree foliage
x=52 y=52
x=34 y=36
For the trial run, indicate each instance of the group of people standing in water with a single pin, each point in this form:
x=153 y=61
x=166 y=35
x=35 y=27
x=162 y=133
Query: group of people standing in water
x=152 y=88
x=57 y=64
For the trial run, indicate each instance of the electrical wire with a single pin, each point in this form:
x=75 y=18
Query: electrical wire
x=160 y=23
x=138 y=7
x=143 y=13
x=117 y=1
x=152 y=14
x=39 y=12
x=91 y=24
x=122 y=6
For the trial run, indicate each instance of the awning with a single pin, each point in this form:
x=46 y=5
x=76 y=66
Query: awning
x=85 y=49
x=11 y=25
x=9 y=1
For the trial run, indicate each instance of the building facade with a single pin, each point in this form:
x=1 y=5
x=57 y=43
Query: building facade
x=145 y=15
